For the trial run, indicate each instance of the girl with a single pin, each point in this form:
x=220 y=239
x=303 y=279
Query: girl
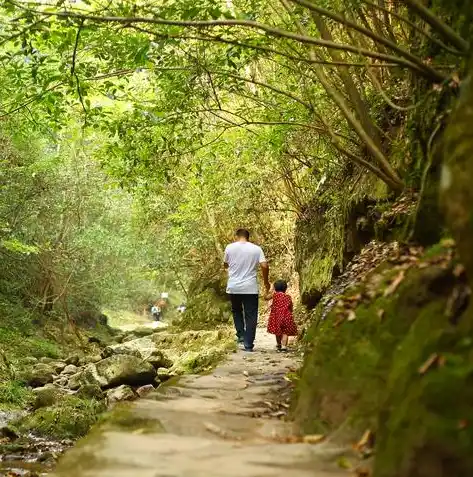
x=281 y=322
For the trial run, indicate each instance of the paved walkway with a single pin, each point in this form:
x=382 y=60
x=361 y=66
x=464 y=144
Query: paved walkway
x=217 y=425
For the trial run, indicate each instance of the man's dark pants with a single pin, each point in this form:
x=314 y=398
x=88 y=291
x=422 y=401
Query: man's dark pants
x=245 y=317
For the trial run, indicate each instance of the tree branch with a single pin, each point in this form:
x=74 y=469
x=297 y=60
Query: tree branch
x=425 y=70
x=369 y=33
x=437 y=24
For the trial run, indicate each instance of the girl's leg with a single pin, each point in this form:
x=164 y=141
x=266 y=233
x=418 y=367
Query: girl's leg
x=284 y=340
x=278 y=342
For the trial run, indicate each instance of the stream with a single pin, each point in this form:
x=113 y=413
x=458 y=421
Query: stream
x=27 y=456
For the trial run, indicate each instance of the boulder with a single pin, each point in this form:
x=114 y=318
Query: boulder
x=163 y=374
x=90 y=391
x=75 y=381
x=159 y=360
x=46 y=396
x=119 y=369
x=73 y=359
x=144 y=390
x=142 y=347
x=40 y=375
x=46 y=360
x=142 y=331
x=120 y=349
x=61 y=381
x=29 y=360
x=70 y=369
x=120 y=393
x=58 y=366
x=95 y=358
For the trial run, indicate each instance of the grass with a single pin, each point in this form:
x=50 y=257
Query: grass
x=13 y=394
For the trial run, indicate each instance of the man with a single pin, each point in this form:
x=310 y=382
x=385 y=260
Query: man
x=242 y=259
x=156 y=312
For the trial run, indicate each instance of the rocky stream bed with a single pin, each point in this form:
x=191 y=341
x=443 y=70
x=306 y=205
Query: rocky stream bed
x=125 y=371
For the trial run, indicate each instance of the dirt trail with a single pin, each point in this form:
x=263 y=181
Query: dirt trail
x=212 y=425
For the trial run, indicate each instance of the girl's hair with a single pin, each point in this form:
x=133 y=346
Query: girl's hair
x=280 y=285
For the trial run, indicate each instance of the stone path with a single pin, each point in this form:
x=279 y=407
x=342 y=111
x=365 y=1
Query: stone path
x=206 y=426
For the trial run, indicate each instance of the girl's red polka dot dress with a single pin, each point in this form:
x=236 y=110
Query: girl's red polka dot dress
x=281 y=321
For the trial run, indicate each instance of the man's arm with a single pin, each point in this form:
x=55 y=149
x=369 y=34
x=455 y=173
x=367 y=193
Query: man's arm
x=265 y=271
x=225 y=259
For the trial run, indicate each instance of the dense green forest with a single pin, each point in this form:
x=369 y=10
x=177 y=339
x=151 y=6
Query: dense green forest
x=136 y=136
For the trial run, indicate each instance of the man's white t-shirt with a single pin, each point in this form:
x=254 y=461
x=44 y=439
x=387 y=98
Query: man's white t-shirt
x=243 y=259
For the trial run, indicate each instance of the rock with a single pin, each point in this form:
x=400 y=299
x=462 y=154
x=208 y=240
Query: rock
x=9 y=432
x=40 y=375
x=120 y=337
x=144 y=390
x=73 y=359
x=142 y=331
x=29 y=360
x=141 y=347
x=119 y=369
x=70 y=369
x=94 y=358
x=75 y=381
x=128 y=337
x=90 y=391
x=46 y=396
x=46 y=360
x=164 y=374
x=121 y=393
x=159 y=360
x=62 y=381
x=120 y=349
x=58 y=366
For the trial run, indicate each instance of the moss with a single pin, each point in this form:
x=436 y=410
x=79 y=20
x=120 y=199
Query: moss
x=347 y=364
x=125 y=417
x=196 y=351
x=424 y=422
x=70 y=418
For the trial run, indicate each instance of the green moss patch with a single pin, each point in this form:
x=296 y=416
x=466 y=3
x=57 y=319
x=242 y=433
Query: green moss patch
x=69 y=419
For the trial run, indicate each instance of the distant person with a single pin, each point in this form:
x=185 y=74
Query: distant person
x=156 y=312
x=242 y=259
x=281 y=320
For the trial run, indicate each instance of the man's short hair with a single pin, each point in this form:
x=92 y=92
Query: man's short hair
x=243 y=233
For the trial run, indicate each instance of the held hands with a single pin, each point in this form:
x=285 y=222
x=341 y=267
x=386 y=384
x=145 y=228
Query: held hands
x=269 y=290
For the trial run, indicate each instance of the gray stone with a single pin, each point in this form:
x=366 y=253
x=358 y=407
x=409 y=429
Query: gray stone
x=70 y=369
x=120 y=393
x=144 y=390
x=75 y=381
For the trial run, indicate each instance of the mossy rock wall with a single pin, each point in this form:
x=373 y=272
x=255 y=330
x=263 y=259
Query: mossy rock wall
x=373 y=372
